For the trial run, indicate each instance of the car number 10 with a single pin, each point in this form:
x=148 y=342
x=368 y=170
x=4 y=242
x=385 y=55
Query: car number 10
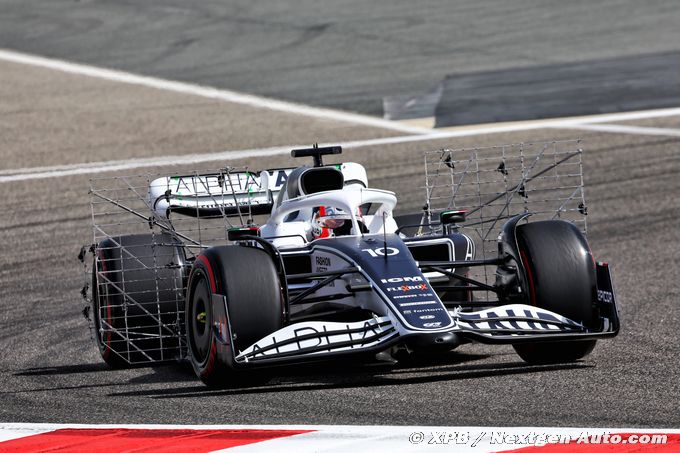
x=383 y=251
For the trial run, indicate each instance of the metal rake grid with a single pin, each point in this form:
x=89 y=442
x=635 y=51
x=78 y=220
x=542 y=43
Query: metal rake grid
x=493 y=184
x=141 y=319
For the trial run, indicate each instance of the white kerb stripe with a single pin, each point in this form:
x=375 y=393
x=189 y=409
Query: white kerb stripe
x=339 y=438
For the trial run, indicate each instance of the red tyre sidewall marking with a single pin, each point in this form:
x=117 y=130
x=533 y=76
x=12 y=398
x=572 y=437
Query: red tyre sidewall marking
x=532 y=287
x=211 y=275
x=212 y=355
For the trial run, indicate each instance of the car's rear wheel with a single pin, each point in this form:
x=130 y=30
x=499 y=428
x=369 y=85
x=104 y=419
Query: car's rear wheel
x=137 y=295
x=254 y=304
x=103 y=309
x=560 y=275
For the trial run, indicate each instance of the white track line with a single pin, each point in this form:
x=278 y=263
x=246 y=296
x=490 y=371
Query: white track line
x=25 y=174
x=625 y=116
x=590 y=119
x=207 y=92
x=421 y=134
x=122 y=165
x=623 y=129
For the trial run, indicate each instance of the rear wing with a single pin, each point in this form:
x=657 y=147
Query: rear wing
x=225 y=193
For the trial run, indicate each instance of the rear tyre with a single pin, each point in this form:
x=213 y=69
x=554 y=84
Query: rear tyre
x=560 y=275
x=249 y=280
x=137 y=281
x=103 y=309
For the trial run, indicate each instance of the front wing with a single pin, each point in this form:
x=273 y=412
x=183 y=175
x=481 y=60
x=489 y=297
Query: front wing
x=507 y=324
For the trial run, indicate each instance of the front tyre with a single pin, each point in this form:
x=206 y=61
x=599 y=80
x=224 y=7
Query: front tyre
x=560 y=276
x=254 y=307
x=204 y=348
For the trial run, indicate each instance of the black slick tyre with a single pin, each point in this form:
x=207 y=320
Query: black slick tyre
x=560 y=275
x=254 y=303
x=137 y=285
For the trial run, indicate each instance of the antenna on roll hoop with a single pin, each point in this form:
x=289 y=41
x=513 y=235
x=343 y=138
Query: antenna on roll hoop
x=316 y=153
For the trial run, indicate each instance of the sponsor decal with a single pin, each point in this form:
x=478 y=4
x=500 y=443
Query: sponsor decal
x=425 y=302
x=411 y=296
x=382 y=251
x=426 y=317
x=605 y=296
x=322 y=265
x=406 y=288
x=427 y=310
x=402 y=279
x=323 y=261
x=432 y=324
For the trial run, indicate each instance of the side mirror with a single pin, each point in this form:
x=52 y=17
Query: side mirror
x=451 y=217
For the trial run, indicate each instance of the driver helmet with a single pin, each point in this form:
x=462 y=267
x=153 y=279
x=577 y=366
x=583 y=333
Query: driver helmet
x=326 y=219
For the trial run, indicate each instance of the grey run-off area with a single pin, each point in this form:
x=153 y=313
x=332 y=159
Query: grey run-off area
x=462 y=62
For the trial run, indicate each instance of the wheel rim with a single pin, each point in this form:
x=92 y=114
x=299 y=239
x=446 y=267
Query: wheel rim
x=200 y=319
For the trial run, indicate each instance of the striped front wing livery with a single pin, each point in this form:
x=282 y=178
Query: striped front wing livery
x=516 y=319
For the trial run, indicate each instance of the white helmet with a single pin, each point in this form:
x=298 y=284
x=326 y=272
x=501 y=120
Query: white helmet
x=326 y=219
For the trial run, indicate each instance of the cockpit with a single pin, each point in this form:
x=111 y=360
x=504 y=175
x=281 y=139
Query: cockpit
x=330 y=201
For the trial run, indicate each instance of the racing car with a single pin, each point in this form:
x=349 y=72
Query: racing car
x=330 y=270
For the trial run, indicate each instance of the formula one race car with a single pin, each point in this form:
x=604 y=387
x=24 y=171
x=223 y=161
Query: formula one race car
x=332 y=271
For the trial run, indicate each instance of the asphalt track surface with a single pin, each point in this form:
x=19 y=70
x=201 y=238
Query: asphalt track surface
x=465 y=62
x=50 y=370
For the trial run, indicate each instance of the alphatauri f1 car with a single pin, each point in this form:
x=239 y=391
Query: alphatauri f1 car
x=497 y=255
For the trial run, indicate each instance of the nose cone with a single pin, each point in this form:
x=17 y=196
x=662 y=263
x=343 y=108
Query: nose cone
x=440 y=341
x=387 y=261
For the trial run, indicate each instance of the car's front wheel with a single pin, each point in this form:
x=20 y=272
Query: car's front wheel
x=247 y=277
x=560 y=274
